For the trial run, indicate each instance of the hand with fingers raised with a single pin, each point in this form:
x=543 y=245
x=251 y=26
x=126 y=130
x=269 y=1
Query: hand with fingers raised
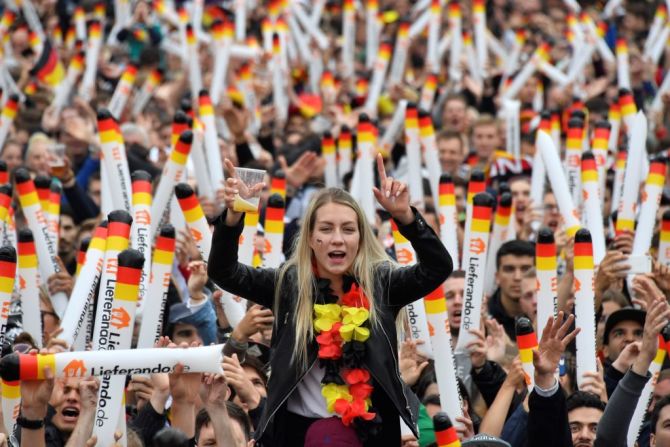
x=555 y=338
x=657 y=318
x=393 y=195
x=234 y=187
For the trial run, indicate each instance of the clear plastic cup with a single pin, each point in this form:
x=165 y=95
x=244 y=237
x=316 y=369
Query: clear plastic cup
x=56 y=155
x=250 y=188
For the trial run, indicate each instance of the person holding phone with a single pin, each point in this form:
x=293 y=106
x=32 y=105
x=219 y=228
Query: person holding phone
x=335 y=302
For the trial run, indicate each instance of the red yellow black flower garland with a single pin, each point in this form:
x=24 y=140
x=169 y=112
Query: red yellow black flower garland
x=342 y=330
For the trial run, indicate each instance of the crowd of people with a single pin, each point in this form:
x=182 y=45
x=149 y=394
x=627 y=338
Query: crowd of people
x=323 y=354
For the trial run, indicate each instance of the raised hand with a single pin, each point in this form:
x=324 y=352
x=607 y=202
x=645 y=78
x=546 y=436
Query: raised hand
x=393 y=195
x=555 y=338
x=657 y=318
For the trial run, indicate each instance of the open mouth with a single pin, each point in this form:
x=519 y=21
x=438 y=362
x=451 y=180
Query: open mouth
x=336 y=255
x=70 y=413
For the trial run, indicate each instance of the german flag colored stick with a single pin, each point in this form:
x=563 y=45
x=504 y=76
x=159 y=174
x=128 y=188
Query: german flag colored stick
x=122 y=92
x=434 y=21
x=115 y=159
x=161 y=271
x=371 y=33
x=440 y=336
x=559 y=184
x=445 y=433
x=362 y=180
x=7 y=276
x=6 y=191
x=278 y=184
x=479 y=223
x=194 y=72
x=7 y=118
x=172 y=174
x=456 y=48
x=118 y=240
x=11 y=403
x=476 y=185
x=479 y=23
x=278 y=80
x=349 y=37
x=623 y=69
x=195 y=218
x=74 y=70
x=664 y=240
x=573 y=153
x=330 y=156
x=402 y=42
x=499 y=235
x=344 y=152
x=526 y=72
x=274 y=231
x=651 y=197
x=660 y=19
x=83 y=293
x=144 y=95
x=539 y=174
x=547 y=278
x=430 y=153
x=212 y=150
x=592 y=207
x=600 y=147
x=246 y=244
x=140 y=232
x=47 y=252
x=378 y=76
x=29 y=286
x=584 y=305
x=319 y=37
x=416 y=311
x=619 y=173
x=94 y=44
x=643 y=402
x=627 y=205
x=199 y=160
x=614 y=118
x=42 y=185
x=4 y=174
x=446 y=210
x=413 y=151
x=223 y=34
x=81 y=254
x=123 y=362
x=53 y=213
x=117 y=333
x=627 y=107
x=526 y=340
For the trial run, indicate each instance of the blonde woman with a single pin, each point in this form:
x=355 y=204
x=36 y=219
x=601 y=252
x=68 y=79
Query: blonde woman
x=335 y=300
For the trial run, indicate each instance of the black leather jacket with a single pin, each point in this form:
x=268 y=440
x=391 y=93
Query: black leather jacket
x=394 y=288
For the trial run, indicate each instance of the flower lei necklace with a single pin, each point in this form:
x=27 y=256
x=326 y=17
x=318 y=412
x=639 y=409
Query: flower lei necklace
x=342 y=330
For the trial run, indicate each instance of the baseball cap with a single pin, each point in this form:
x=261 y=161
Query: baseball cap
x=625 y=314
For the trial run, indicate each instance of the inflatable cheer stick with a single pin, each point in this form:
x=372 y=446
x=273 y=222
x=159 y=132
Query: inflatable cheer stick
x=7 y=276
x=83 y=293
x=475 y=267
x=47 y=252
x=584 y=305
x=172 y=174
x=122 y=362
x=547 y=278
x=195 y=218
x=445 y=433
x=274 y=231
x=29 y=287
x=499 y=235
x=526 y=340
x=140 y=232
x=592 y=207
x=156 y=297
x=559 y=184
x=446 y=210
x=118 y=240
x=445 y=368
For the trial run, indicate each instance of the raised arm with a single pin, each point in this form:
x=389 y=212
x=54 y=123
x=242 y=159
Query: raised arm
x=255 y=284
x=433 y=262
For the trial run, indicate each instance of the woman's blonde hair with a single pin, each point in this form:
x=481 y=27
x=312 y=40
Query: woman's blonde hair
x=370 y=255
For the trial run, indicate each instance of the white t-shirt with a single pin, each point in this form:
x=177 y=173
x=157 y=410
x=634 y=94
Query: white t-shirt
x=307 y=400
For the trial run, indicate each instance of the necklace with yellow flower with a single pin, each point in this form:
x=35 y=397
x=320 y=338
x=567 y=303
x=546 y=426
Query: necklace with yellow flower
x=342 y=327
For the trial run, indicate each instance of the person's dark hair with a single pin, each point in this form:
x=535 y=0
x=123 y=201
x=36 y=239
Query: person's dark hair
x=584 y=399
x=170 y=437
x=255 y=364
x=426 y=378
x=431 y=399
x=450 y=135
x=515 y=248
x=235 y=412
x=655 y=413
